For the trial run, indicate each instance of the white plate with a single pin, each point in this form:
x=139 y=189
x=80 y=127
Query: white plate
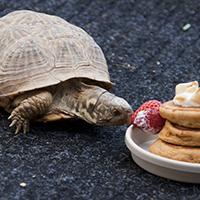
x=138 y=143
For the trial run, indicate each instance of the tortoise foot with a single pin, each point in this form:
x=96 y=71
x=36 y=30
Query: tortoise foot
x=19 y=122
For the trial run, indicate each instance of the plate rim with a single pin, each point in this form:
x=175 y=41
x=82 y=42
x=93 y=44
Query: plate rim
x=156 y=159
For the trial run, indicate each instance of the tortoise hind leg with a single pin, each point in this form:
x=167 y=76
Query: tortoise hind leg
x=28 y=109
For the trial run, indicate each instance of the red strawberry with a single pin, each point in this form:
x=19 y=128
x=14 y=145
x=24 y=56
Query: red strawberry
x=147 y=117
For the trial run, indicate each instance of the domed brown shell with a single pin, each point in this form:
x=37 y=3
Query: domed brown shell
x=39 y=50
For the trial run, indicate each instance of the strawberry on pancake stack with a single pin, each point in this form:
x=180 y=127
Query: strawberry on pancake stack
x=147 y=117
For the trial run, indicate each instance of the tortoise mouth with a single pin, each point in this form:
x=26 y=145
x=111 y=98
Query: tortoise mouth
x=116 y=121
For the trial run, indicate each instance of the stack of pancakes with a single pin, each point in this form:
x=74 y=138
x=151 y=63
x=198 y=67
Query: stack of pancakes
x=179 y=139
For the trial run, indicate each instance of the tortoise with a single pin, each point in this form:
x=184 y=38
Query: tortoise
x=52 y=70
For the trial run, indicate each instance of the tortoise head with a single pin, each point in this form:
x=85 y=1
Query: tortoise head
x=112 y=110
x=98 y=106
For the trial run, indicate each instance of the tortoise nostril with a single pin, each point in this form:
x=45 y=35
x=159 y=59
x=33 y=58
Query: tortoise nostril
x=129 y=111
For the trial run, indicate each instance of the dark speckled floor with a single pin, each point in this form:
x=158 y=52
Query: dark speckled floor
x=148 y=54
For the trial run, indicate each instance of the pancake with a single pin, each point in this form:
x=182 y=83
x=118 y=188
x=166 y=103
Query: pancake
x=183 y=116
x=181 y=153
x=179 y=135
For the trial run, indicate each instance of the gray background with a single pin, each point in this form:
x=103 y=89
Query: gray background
x=66 y=160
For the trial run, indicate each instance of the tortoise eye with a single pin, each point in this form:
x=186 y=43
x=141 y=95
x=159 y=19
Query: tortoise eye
x=116 y=112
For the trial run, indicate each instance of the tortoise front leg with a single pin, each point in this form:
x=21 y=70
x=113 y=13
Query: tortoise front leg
x=30 y=108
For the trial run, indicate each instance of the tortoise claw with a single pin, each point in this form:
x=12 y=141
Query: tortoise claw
x=13 y=123
x=26 y=126
x=18 y=128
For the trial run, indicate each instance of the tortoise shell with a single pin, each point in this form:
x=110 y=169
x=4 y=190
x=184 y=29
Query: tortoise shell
x=39 y=50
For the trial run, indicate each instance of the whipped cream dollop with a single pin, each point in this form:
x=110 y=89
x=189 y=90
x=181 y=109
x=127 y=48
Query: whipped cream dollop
x=187 y=94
